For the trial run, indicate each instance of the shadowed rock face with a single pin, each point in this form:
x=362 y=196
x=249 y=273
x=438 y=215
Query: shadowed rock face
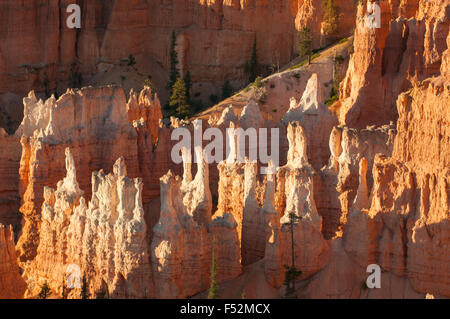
x=12 y=286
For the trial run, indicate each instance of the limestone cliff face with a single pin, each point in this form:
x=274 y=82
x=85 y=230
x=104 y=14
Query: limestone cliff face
x=214 y=39
x=12 y=286
x=103 y=240
x=94 y=124
x=389 y=60
x=311 y=14
x=411 y=192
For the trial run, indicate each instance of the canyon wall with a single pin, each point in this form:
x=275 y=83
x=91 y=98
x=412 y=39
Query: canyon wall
x=39 y=52
x=9 y=180
x=214 y=41
x=389 y=60
x=366 y=185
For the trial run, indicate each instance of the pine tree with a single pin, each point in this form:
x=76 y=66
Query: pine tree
x=63 y=293
x=227 y=90
x=253 y=64
x=131 y=60
x=174 y=74
x=213 y=292
x=178 y=100
x=84 y=292
x=292 y=273
x=188 y=83
x=331 y=17
x=45 y=291
x=305 y=43
x=148 y=82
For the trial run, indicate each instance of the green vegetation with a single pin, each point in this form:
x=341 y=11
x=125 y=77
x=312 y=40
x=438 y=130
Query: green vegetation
x=258 y=82
x=334 y=97
x=188 y=83
x=338 y=61
x=343 y=40
x=251 y=67
x=292 y=273
x=63 y=290
x=174 y=74
x=179 y=104
x=227 y=90
x=305 y=43
x=46 y=84
x=148 y=82
x=131 y=60
x=45 y=291
x=313 y=57
x=331 y=17
x=84 y=290
x=76 y=77
x=213 y=292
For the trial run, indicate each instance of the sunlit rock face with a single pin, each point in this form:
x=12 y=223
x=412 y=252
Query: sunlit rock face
x=103 y=240
x=365 y=181
x=186 y=235
x=390 y=60
x=94 y=123
x=299 y=220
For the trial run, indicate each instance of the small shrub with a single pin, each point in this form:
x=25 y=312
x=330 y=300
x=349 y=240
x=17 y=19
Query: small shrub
x=227 y=90
x=148 y=82
x=131 y=60
x=213 y=98
x=45 y=291
x=258 y=82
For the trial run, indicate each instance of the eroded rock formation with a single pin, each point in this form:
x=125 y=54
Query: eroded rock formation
x=12 y=286
x=389 y=60
x=300 y=219
x=102 y=241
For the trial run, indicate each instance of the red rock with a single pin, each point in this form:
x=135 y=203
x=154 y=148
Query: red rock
x=12 y=286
